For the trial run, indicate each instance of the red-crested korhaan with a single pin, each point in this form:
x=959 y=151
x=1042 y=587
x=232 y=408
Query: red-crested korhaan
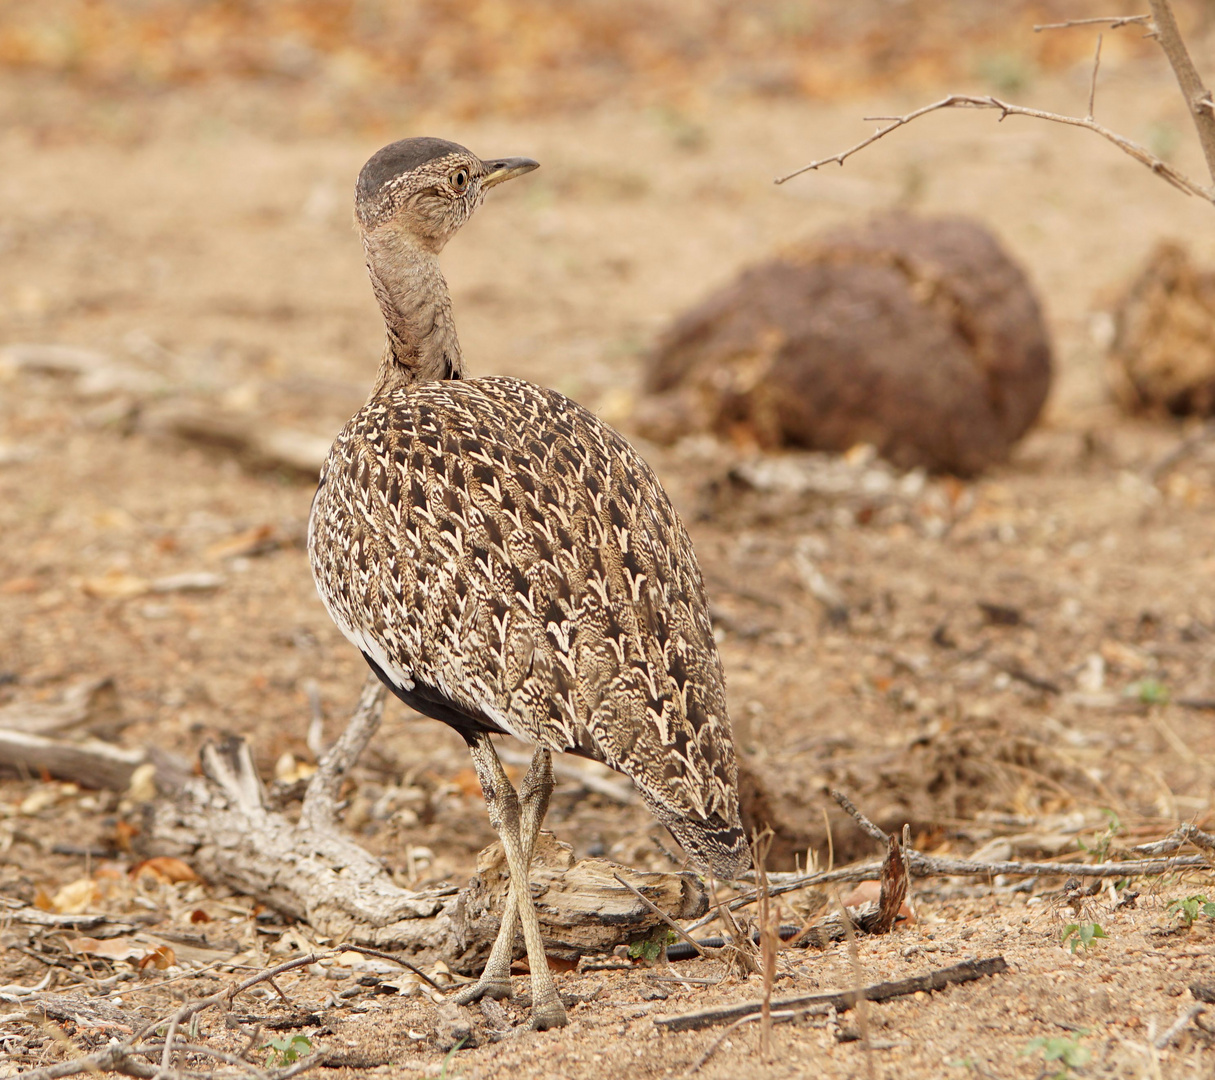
x=508 y=564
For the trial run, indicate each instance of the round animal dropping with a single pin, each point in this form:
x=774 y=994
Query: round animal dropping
x=508 y=564
x=917 y=336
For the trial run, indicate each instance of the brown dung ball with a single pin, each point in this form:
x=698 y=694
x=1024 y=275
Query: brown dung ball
x=916 y=335
x=1163 y=355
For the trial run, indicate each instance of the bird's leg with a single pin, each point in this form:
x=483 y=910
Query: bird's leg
x=534 y=794
x=517 y=822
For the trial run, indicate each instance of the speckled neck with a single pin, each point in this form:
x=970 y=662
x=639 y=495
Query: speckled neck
x=421 y=340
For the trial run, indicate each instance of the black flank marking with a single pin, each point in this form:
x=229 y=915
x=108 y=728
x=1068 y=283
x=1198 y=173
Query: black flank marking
x=431 y=702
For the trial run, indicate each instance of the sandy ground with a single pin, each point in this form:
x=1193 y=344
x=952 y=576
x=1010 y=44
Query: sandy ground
x=215 y=257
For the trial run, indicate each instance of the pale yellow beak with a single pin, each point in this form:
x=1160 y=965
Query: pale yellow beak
x=506 y=169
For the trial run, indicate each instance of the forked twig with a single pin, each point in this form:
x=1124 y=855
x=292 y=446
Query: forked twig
x=1163 y=27
x=1141 y=154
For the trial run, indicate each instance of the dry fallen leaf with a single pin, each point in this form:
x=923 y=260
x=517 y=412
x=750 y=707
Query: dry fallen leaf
x=41 y=798
x=111 y=949
x=115 y=585
x=288 y=771
x=164 y=868
x=256 y=541
x=160 y=958
x=76 y=897
x=124 y=833
x=142 y=786
x=19 y=585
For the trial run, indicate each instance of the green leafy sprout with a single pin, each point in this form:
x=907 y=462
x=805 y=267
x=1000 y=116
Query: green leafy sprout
x=1149 y=692
x=1066 y=1051
x=1100 y=846
x=1189 y=909
x=1078 y=935
x=651 y=948
x=281 y=1052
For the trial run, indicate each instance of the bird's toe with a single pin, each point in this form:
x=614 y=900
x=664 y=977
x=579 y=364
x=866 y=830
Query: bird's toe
x=497 y=988
x=550 y=1014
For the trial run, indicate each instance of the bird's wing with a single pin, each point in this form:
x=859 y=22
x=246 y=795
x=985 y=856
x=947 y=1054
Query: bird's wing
x=496 y=547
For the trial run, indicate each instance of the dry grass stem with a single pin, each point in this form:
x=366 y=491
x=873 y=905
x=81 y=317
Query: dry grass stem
x=769 y=936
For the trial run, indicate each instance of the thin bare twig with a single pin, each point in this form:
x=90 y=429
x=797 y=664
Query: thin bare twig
x=1006 y=109
x=749 y=1019
x=840 y=1000
x=1114 y=21
x=207 y=1051
x=1178 y=1026
x=701 y=950
x=166 y=1057
x=849 y=807
x=920 y=865
x=858 y=988
x=1092 y=89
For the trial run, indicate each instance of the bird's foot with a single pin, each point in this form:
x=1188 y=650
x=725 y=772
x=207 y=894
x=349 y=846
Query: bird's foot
x=548 y=1014
x=497 y=987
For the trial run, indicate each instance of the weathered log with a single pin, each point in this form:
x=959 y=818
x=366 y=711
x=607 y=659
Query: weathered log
x=221 y=825
x=91 y=705
x=582 y=908
x=260 y=447
x=91 y=763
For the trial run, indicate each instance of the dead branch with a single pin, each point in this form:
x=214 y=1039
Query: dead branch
x=849 y=807
x=319 y=809
x=1178 y=1026
x=1163 y=27
x=1197 y=96
x=92 y=705
x=221 y=824
x=840 y=1000
x=966 y=101
x=1183 y=834
x=91 y=763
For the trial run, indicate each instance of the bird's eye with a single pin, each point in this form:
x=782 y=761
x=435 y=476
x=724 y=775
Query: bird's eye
x=459 y=179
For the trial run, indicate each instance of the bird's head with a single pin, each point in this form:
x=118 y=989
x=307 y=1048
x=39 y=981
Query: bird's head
x=424 y=189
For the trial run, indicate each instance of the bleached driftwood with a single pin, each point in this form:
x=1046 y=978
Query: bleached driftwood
x=91 y=763
x=221 y=824
x=91 y=705
x=298 y=452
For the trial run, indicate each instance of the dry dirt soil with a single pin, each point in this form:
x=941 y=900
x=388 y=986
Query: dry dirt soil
x=1011 y=675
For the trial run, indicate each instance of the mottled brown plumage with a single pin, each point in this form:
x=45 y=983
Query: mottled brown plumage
x=507 y=563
